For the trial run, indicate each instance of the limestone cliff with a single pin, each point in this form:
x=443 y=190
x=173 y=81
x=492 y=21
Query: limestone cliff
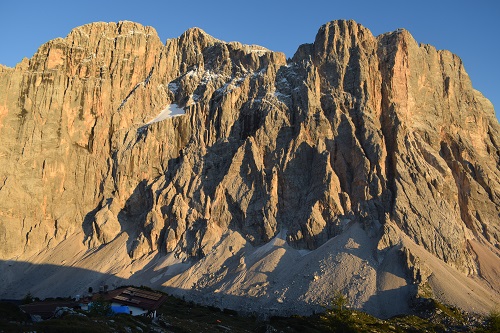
x=355 y=132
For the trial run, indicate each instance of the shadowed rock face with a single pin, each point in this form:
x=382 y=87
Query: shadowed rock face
x=354 y=129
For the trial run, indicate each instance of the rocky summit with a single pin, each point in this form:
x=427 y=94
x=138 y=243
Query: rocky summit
x=230 y=175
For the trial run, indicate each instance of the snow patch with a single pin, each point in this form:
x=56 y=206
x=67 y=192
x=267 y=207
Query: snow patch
x=170 y=111
x=192 y=72
x=209 y=76
x=259 y=52
x=195 y=97
x=278 y=95
x=173 y=87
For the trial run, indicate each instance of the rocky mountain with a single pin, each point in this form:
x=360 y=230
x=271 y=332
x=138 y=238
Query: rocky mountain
x=234 y=176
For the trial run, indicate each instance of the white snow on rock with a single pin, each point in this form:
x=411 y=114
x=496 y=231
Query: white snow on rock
x=173 y=87
x=170 y=111
x=259 y=52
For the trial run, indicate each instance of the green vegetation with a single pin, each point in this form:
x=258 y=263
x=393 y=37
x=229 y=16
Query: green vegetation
x=84 y=324
x=179 y=316
x=100 y=308
x=449 y=311
x=492 y=323
x=338 y=318
x=74 y=324
x=28 y=298
x=12 y=318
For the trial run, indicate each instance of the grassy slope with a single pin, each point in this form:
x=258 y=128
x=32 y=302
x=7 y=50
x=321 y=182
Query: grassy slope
x=180 y=316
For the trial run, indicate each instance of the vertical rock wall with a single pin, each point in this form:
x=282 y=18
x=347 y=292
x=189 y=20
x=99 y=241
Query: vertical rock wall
x=379 y=131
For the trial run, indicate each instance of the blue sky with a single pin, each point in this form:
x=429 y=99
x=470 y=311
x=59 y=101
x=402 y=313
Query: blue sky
x=470 y=29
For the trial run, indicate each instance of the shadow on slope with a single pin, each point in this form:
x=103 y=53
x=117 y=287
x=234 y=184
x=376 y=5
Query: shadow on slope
x=47 y=280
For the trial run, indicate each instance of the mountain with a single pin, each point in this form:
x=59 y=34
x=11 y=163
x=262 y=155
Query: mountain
x=230 y=175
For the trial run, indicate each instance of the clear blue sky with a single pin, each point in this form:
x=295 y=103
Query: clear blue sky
x=470 y=29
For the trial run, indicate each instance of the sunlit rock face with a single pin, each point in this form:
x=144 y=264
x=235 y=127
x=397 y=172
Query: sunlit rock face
x=171 y=149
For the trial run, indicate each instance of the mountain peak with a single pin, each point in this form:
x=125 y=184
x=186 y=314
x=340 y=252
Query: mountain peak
x=196 y=33
x=367 y=164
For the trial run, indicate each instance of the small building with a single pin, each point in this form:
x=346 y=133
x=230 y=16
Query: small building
x=139 y=302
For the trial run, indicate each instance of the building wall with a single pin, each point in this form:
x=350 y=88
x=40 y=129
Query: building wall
x=135 y=311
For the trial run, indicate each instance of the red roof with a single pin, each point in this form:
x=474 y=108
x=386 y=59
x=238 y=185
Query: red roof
x=144 y=299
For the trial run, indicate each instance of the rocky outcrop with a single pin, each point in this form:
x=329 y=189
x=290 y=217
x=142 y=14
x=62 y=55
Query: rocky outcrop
x=378 y=132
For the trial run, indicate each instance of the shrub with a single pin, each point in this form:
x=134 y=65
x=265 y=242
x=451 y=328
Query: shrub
x=493 y=322
x=100 y=307
x=338 y=318
x=28 y=298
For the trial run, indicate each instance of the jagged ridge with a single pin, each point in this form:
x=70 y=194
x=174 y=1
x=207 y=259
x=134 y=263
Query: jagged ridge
x=374 y=138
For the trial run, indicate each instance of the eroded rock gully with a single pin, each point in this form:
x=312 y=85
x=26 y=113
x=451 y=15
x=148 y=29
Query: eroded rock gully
x=355 y=131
